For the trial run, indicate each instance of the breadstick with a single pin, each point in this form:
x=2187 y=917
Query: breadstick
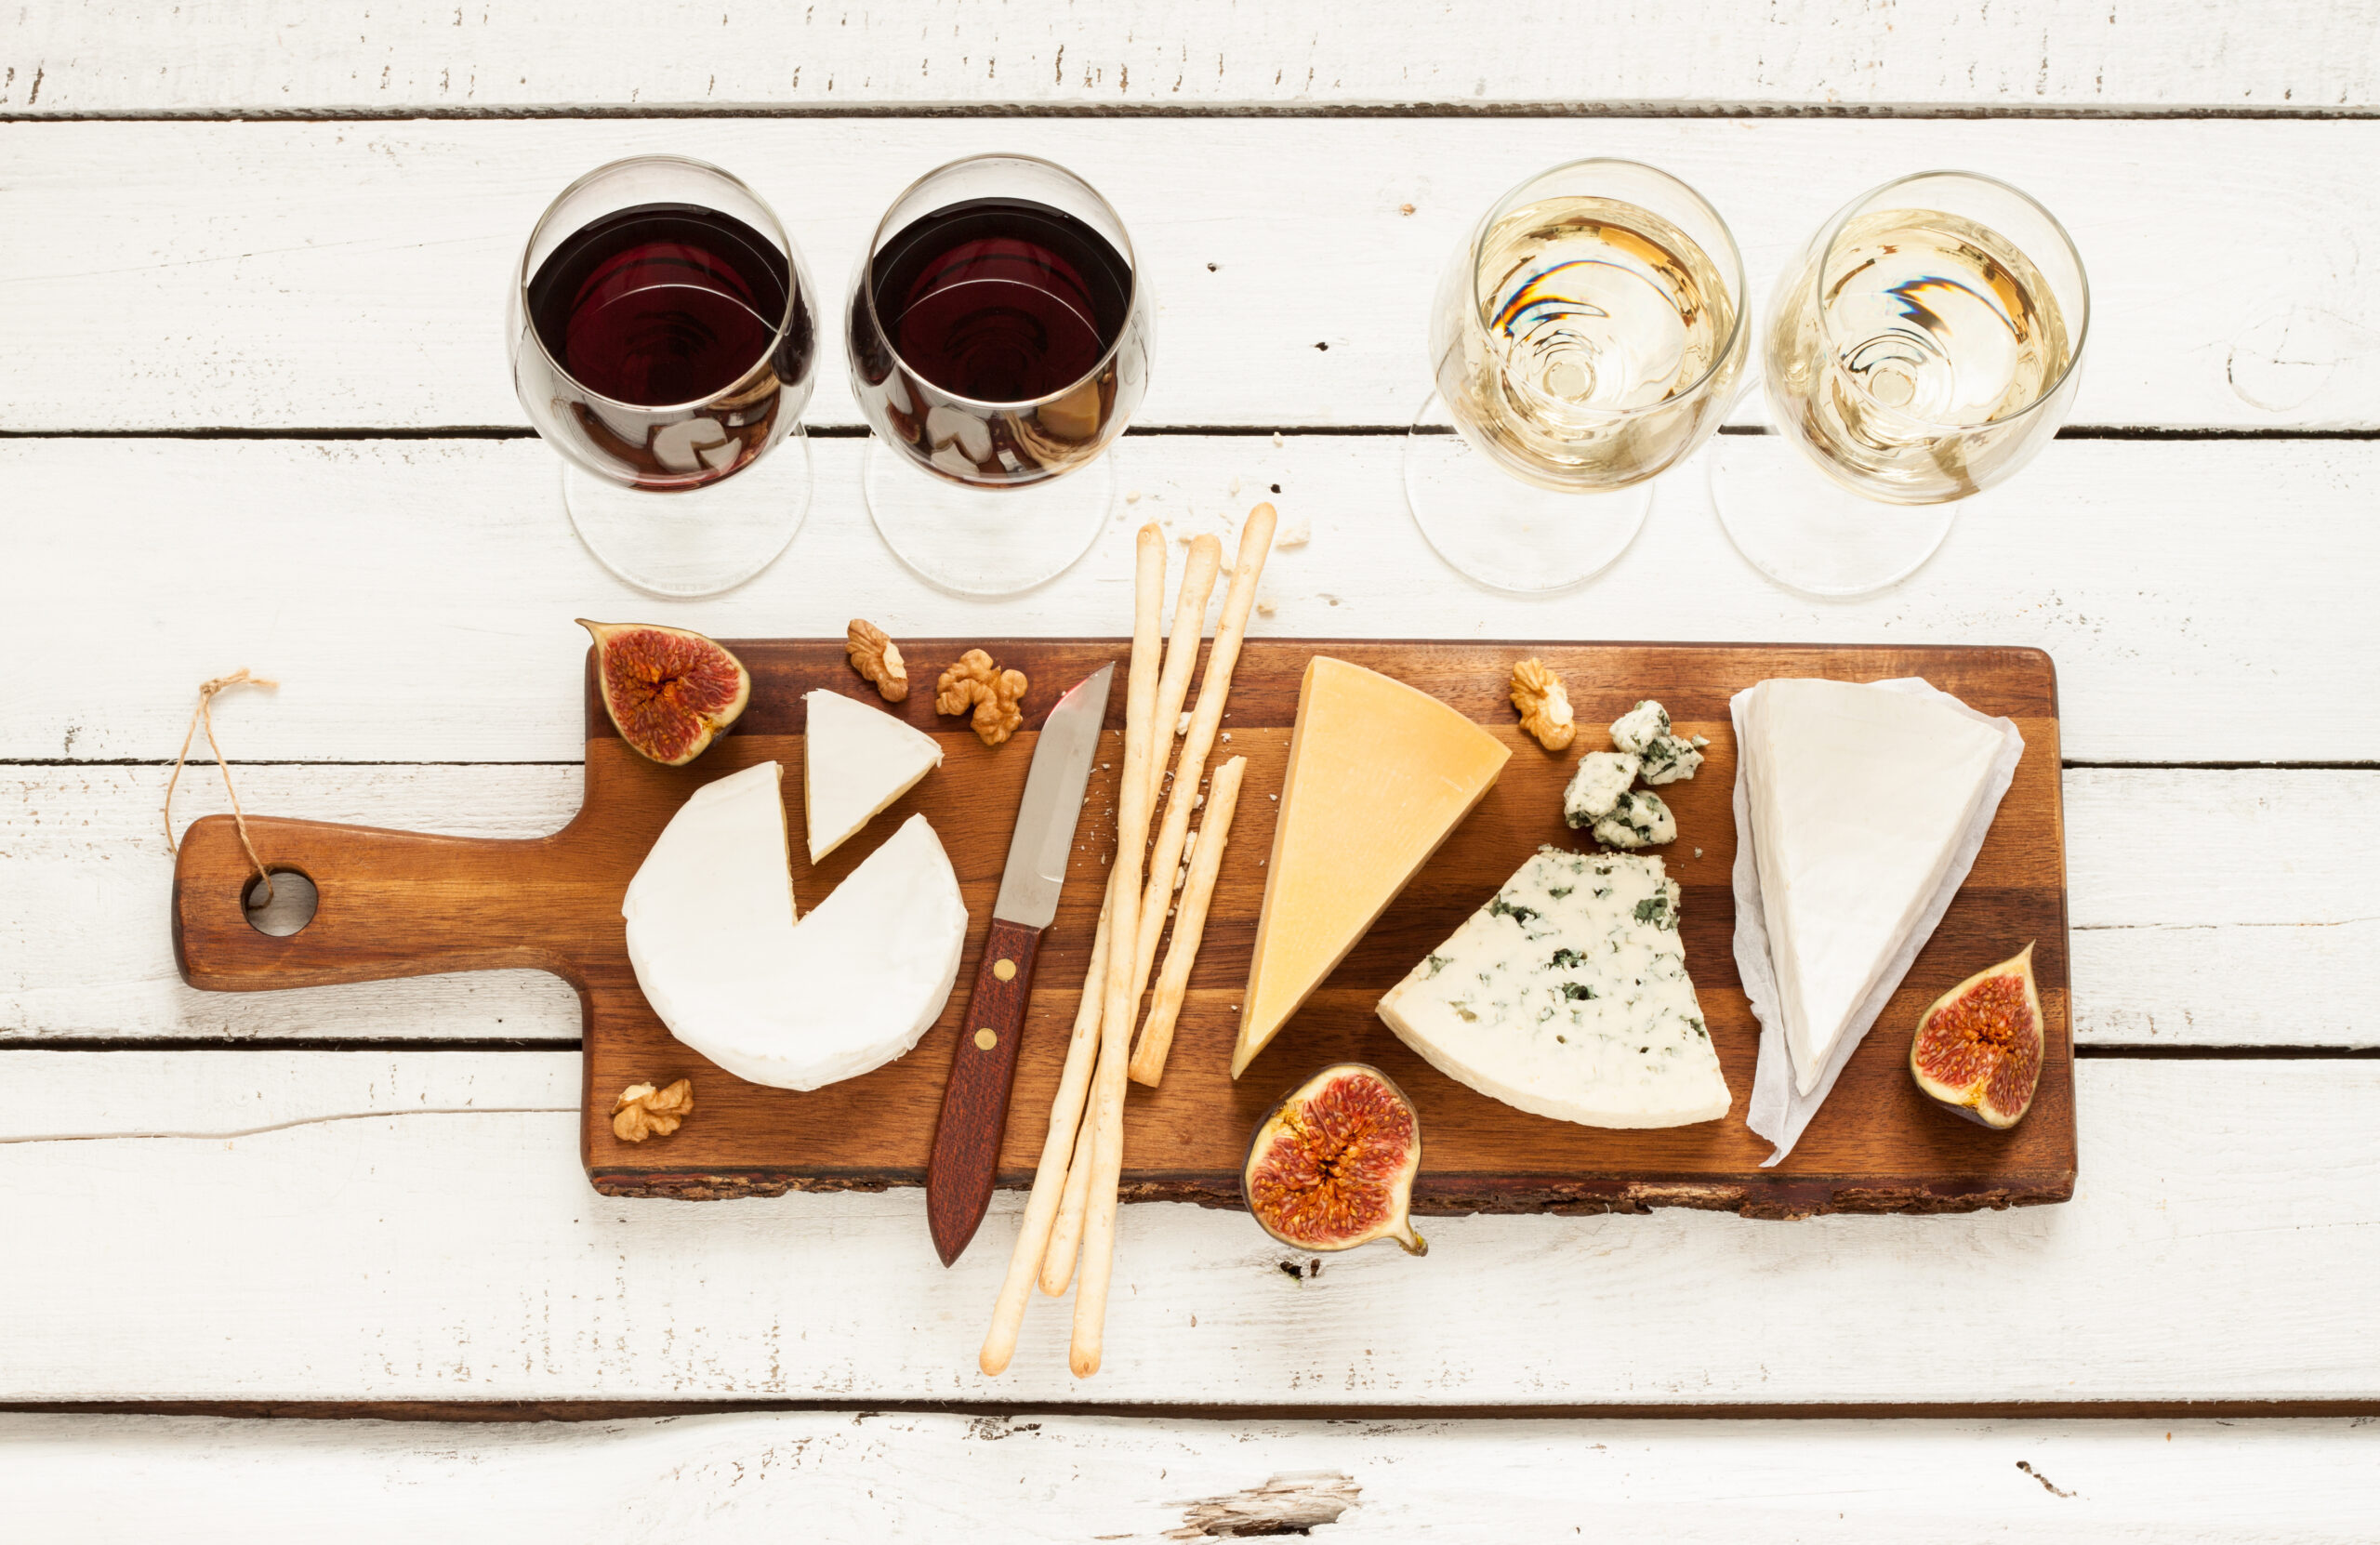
x=1255 y=542
x=1049 y=1176
x=1157 y=1034
x=1066 y=1237
x=1116 y=1012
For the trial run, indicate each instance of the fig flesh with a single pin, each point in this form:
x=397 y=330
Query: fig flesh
x=1333 y=1166
x=1977 y=1052
x=669 y=691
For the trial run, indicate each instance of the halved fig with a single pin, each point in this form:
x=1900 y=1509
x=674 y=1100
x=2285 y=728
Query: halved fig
x=668 y=690
x=1977 y=1052
x=1333 y=1166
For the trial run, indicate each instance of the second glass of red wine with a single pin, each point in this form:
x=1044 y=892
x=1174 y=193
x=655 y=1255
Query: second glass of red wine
x=999 y=339
x=663 y=337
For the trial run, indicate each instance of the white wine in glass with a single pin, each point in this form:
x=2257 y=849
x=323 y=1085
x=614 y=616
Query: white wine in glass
x=1924 y=348
x=1586 y=338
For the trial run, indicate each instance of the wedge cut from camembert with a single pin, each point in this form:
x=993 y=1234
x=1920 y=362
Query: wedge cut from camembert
x=1860 y=796
x=713 y=939
x=1379 y=774
x=855 y=761
x=1567 y=996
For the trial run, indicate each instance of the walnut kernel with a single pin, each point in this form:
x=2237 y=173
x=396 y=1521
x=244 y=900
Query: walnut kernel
x=877 y=658
x=997 y=695
x=642 y=1111
x=1544 y=707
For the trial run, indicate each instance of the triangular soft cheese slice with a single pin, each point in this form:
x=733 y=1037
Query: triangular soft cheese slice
x=713 y=940
x=855 y=761
x=1379 y=774
x=1860 y=797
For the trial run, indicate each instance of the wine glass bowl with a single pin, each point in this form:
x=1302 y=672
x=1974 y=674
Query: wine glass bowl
x=999 y=342
x=663 y=340
x=1587 y=335
x=1922 y=348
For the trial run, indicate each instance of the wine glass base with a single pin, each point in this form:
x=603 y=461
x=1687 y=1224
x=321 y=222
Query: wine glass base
x=985 y=541
x=699 y=542
x=1499 y=532
x=1808 y=534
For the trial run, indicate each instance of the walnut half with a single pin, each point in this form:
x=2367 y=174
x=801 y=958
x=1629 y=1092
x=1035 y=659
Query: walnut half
x=876 y=656
x=997 y=695
x=642 y=1111
x=1544 y=706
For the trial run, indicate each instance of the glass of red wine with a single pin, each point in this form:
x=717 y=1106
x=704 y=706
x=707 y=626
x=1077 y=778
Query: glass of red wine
x=999 y=339
x=663 y=340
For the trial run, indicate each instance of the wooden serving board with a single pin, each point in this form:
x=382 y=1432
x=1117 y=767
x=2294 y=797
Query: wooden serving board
x=395 y=903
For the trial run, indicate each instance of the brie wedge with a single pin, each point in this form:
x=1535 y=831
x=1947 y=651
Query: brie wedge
x=1860 y=797
x=713 y=936
x=855 y=761
x=1567 y=996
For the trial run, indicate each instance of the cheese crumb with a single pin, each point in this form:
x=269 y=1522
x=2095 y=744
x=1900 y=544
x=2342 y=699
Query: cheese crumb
x=1226 y=734
x=1276 y=439
x=1182 y=725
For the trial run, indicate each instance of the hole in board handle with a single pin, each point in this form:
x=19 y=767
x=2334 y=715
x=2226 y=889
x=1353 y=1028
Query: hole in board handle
x=291 y=908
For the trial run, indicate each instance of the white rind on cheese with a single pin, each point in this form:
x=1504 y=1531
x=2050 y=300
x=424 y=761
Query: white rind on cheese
x=1602 y=778
x=1639 y=818
x=713 y=939
x=855 y=761
x=1859 y=796
x=1567 y=996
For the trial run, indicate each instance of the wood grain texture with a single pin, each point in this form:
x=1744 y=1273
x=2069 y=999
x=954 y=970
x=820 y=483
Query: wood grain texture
x=416 y=1225
x=759 y=1479
x=661 y=56
x=402 y=907
x=352 y=275
x=2168 y=951
x=413 y=598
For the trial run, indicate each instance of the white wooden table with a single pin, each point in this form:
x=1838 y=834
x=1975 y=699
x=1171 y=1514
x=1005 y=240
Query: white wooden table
x=251 y=257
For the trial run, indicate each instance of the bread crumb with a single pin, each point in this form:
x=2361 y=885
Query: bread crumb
x=1235 y=488
x=1296 y=534
x=1276 y=439
x=1132 y=497
x=1264 y=607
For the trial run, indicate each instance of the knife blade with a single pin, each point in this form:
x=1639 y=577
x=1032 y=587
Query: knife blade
x=983 y=1065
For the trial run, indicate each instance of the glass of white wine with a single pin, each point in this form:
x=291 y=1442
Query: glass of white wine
x=1923 y=346
x=1587 y=337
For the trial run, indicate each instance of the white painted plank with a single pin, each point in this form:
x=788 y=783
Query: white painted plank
x=2221 y=1245
x=886 y=1477
x=2169 y=948
x=295 y=56
x=2203 y=600
x=352 y=275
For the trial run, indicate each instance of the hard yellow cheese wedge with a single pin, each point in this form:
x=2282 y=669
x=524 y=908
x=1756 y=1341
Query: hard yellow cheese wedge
x=1379 y=774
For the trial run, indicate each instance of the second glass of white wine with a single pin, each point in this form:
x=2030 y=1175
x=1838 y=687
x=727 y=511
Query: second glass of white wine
x=1587 y=337
x=1925 y=346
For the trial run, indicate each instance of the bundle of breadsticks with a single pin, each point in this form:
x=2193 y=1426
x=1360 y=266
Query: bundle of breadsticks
x=1072 y=1210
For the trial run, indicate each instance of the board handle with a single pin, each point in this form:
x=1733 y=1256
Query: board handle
x=388 y=903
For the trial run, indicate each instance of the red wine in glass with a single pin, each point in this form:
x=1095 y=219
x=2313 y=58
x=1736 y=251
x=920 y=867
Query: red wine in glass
x=654 y=316
x=1000 y=299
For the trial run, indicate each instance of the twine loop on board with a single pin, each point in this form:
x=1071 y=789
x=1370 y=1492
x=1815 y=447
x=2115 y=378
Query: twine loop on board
x=203 y=714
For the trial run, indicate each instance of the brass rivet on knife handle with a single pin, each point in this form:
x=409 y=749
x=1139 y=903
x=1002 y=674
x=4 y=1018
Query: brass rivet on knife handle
x=1156 y=1036
x=1115 y=1012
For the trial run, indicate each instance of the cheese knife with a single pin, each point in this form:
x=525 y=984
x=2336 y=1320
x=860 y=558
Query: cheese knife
x=982 y=1064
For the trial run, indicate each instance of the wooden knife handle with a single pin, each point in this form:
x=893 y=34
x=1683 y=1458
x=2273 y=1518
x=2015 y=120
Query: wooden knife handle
x=974 y=1103
x=389 y=903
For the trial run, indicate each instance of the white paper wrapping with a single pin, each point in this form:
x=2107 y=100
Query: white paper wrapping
x=1778 y=1113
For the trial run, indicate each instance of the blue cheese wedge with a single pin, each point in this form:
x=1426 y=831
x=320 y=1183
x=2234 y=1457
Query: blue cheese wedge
x=1566 y=997
x=1639 y=818
x=1645 y=730
x=1602 y=778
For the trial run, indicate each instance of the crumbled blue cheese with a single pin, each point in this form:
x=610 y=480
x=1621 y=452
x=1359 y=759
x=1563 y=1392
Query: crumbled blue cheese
x=1602 y=778
x=1567 y=996
x=1667 y=756
x=1638 y=819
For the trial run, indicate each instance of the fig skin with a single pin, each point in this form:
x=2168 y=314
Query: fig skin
x=669 y=691
x=1978 y=1050
x=1374 y=1136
